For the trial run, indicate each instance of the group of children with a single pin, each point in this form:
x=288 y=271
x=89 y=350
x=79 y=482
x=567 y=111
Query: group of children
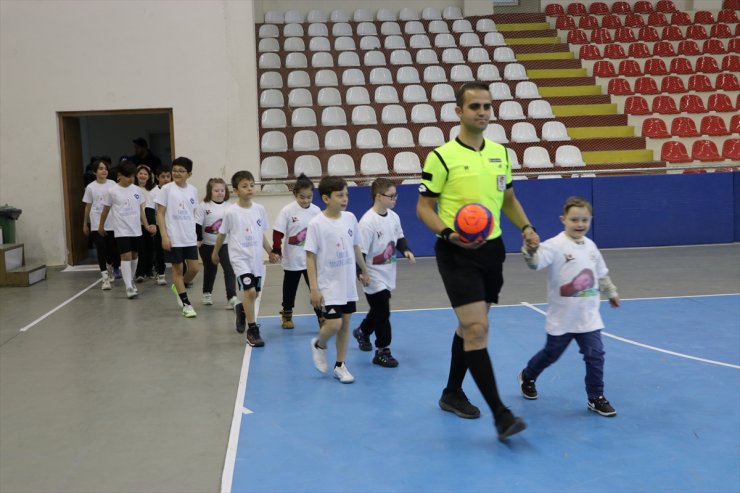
x=330 y=250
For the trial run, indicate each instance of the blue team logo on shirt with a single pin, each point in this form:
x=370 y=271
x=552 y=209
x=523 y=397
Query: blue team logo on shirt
x=136 y=196
x=259 y=222
x=349 y=232
x=192 y=201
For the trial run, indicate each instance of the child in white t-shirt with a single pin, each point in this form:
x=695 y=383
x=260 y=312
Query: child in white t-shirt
x=176 y=219
x=208 y=218
x=381 y=233
x=332 y=248
x=164 y=176
x=292 y=224
x=94 y=198
x=145 y=181
x=125 y=203
x=573 y=302
x=245 y=222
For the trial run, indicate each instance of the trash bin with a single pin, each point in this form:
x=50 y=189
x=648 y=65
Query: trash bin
x=8 y=216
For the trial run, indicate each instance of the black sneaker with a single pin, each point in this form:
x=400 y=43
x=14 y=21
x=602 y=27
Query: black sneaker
x=457 y=402
x=253 y=337
x=362 y=340
x=601 y=405
x=507 y=424
x=240 y=324
x=383 y=357
x=529 y=391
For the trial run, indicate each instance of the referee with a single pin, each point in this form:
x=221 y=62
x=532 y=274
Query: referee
x=472 y=169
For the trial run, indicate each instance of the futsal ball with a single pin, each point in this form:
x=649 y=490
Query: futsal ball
x=473 y=222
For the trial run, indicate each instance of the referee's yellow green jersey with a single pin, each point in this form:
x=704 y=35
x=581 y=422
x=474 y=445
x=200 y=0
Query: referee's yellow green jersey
x=457 y=174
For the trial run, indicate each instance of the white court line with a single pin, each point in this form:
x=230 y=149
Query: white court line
x=646 y=346
x=24 y=329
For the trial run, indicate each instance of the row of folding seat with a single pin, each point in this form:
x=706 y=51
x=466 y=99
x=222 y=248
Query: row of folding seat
x=673 y=84
x=689 y=103
x=706 y=151
x=601 y=8
x=363 y=15
x=660 y=49
x=537 y=157
x=649 y=33
x=656 y=66
x=613 y=21
x=461 y=26
x=405 y=75
x=684 y=126
x=371 y=163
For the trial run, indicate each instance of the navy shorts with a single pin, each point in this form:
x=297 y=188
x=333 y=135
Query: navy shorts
x=471 y=275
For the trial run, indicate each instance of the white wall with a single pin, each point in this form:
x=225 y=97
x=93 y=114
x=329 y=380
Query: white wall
x=195 y=56
x=469 y=7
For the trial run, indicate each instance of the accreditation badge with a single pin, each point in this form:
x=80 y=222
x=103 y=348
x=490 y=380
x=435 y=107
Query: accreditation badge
x=501 y=182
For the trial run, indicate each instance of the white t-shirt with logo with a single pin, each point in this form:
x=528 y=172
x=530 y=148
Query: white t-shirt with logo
x=573 y=296
x=333 y=241
x=180 y=214
x=293 y=221
x=125 y=209
x=95 y=194
x=246 y=229
x=152 y=202
x=210 y=215
x=379 y=237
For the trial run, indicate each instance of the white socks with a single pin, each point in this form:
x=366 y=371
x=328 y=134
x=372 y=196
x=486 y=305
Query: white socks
x=126 y=272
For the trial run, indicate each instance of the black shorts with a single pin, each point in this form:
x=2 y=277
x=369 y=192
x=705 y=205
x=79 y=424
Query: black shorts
x=126 y=244
x=249 y=281
x=331 y=312
x=471 y=275
x=178 y=255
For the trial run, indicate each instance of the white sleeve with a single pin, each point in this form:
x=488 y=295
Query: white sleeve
x=545 y=255
x=366 y=236
x=162 y=196
x=601 y=269
x=265 y=220
x=312 y=238
x=398 y=228
x=88 y=197
x=199 y=213
x=225 y=223
x=356 y=232
x=108 y=197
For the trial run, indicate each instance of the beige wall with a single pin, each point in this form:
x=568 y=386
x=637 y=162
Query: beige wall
x=469 y=7
x=196 y=57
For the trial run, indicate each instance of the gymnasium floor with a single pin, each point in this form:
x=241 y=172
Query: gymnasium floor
x=107 y=394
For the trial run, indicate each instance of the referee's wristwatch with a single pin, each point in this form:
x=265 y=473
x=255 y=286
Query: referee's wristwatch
x=524 y=228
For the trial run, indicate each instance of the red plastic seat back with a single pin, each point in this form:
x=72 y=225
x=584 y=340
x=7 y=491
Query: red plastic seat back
x=634 y=20
x=671 y=33
x=681 y=65
x=621 y=8
x=639 y=50
x=636 y=105
x=735 y=123
x=577 y=37
x=713 y=125
x=674 y=151
x=619 y=87
x=691 y=103
x=629 y=68
x=672 y=84
x=601 y=36
x=643 y=7
x=576 y=8
x=663 y=49
x=624 y=35
x=598 y=8
x=565 y=22
x=683 y=126
x=654 y=128
x=714 y=47
x=703 y=17
x=720 y=31
x=657 y=19
x=666 y=6
x=646 y=85
x=614 y=51
x=733 y=45
x=655 y=66
x=589 y=52
x=700 y=83
x=731 y=63
x=611 y=21
x=588 y=22
x=728 y=16
x=554 y=9
x=604 y=68
x=731 y=149
x=727 y=82
x=707 y=65
x=680 y=19
x=705 y=151
x=696 y=31
x=665 y=105
x=648 y=34
x=688 y=47
x=720 y=102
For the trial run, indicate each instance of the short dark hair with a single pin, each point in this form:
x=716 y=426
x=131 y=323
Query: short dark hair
x=96 y=164
x=469 y=86
x=239 y=176
x=165 y=168
x=302 y=182
x=380 y=185
x=127 y=169
x=184 y=162
x=329 y=184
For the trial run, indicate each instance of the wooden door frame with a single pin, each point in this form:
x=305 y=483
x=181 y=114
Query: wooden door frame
x=73 y=224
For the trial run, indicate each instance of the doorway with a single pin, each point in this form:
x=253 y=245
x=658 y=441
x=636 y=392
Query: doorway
x=85 y=135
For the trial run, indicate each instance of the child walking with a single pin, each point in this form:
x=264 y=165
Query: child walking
x=208 y=218
x=94 y=199
x=145 y=181
x=125 y=202
x=332 y=248
x=246 y=224
x=292 y=223
x=176 y=219
x=381 y=235
x=164 y=176
x=573 y=302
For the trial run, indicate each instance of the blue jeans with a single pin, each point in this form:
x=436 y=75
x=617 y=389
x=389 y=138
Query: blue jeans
x=592 y=350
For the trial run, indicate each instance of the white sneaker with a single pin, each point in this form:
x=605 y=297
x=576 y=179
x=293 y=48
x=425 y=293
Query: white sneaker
x=188 y=311
x=319 y=357
x=110 y=272
x=131 y=293
x=207 y=299
x=233 y=301
x=136 y=290
x=342 y=374
x=106 y=285
x=160 y=280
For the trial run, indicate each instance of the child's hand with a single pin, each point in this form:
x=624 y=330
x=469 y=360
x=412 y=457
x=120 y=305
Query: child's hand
x=85 y=229
x=531 y=240
x=214 y=258
x=409 y=256
x=317 y=299
x=166 y=244
x=274 y=258
x=152 y=229
x=364 y=278
x=615 y=302
x=101 y=231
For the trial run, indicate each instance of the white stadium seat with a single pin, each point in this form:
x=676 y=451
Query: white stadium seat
x=341 y=165
x=337 y=139
x=496 y=133
x=273 y=167
x=488 y=72
x=386 y=95
x=269 y=31
x=423 y=113
x=303 y=117
x=294 y=16
x=299 y=97
x=568 y=155
x=515 y=71
x=274 y=141
x=318 y=29
x=305 y=140
x=271 y=98
x=273 y=118
x=357 y=95
x=341 y=29
x=268 y=45
x=326 y=78
x=339 y=15
x=526 y=90
x=364 y=115
x=373 y=163
x=400 y=137
x=407 y=163
x=524 y=132
x=329 y=96
x=461 y=73
x=434 y=74
x=369 y=138
x=510 y=110
x=299 y=78
x=536 y=157
x=431 y=137
x=316 y=15
x=539 y=108
x=393 y=114
x=308 y=165
x=554 y=131
x=333 y=116
x=271 y=80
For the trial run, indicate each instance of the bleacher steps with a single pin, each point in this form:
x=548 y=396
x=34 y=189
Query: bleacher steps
x=14 y=271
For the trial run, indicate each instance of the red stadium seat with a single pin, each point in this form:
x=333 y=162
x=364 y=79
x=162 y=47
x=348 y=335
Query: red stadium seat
x=604 y=68
x=634 y=20
x=636 y=105
x=696 y=31
x=666 y=6
x=720 y=31
x=655 y=66
x=691 y=103
x=737 y=102
x=727 y=82
x=598 y=8
x=589 y=52
x=700 y=83
x=688 y=47
x=624 y=35
x=621 y=8
x=733 y=45
x=648 y=34
x=737 y=29
x=588 y=22
x=714 y=47
x=680 y=19
x=657 y=19
x=671 y=33
x=611 y=21
x=683 y=126
x=731 y=63
x=694 y=171
x=576 y=8
x=601 y=36
x=554 y=9
x=629 y=68
x=565 y=22
x=735 y=123
x=713 y=125
x=707 y=65
x=643 y=7
x=731 y=149
x=619 y=87
x=577 y=37
x=705 y=151
x=731 y=4
x=725 y=169
x=663 y=49
x=654 y=128
x=614 y=51
x=674 y=151
x=638 y=50
x=672 y=84
x=727 y=16
x=664 y=105
x=646 y=85
x=703 y=17
x=720 y=102
x=681 y=65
